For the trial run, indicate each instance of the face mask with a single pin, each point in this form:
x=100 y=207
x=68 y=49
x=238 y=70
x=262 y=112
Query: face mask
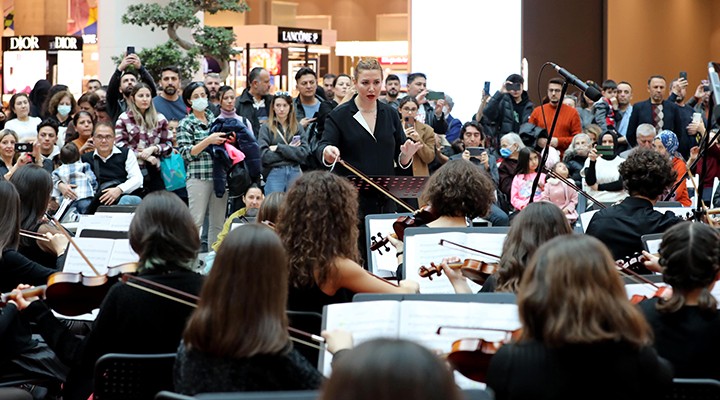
x=200 y=104
x=505 y=153
x=63 y=110
x=445 y=110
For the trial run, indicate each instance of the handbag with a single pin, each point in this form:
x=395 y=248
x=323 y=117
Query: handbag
x=172 y=169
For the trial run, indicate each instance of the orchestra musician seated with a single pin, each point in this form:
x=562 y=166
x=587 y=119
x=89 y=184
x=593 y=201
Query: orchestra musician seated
x=686 y=326
x=130 y=320
x=318 y=226
x=646 y=174
x=237 y=338
x=534 y=225
x=581 y=336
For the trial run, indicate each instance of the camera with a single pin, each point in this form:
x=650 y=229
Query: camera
x=23 y=147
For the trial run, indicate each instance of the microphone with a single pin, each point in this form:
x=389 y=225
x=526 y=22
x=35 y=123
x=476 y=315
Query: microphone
x=590 y=91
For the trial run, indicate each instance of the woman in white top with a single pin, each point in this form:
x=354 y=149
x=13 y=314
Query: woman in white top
x=20 y=120
x=601 y=178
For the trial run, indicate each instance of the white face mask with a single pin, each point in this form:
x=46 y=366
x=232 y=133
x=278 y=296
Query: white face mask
x=445 y=110
x=63 y=110
x=200 y=104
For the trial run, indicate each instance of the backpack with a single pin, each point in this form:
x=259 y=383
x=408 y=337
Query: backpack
x=249 y=171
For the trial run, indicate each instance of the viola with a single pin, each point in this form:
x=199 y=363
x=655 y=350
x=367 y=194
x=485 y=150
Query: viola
x=471 y=356
x=72 y=294
x=476 y=270
x=420 y=217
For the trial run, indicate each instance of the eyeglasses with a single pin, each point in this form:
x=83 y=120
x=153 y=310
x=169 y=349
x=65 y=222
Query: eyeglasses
x=279 y=94
x=103 y=138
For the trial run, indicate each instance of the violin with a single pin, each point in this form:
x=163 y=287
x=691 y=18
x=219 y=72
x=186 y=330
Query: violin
x=73 y=294
x=626 y=266
x=476 y=270
x=420 y=217
x=471 y=356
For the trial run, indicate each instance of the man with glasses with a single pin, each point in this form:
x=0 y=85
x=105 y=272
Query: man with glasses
x=568 y=124
x=116 y=169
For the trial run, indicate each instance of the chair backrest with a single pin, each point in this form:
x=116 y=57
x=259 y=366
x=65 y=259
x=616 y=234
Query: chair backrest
x=310 y=322
x=694 y=389
x=133 y=376
x=289 y=395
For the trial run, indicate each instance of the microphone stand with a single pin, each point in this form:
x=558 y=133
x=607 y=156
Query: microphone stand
x=546 y=152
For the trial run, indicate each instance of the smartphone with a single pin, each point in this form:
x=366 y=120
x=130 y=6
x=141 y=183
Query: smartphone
x=683 y=75
x=486 y=87
x=408 y=122
x=130 y=50
x=475 y=151
x=697 y=117
x=605 y=150
x=435 y=96
x=295 y=139
x=513 y=86
x=706 y=85
x=23 y=147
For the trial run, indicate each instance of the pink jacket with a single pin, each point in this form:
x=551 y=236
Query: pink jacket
x=521 y=187
x=564 y=197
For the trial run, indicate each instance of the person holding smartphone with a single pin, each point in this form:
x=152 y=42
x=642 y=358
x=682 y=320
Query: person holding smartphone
x=14 y=155
x=417 y=132
x=283 y=145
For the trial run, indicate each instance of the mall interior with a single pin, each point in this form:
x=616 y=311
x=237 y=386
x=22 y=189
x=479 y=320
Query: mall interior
x=458 y=43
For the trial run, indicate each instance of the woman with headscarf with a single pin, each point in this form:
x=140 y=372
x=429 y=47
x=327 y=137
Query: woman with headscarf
x=666 y=143
x=601 y=177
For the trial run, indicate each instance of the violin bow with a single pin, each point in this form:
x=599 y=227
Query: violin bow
x=375 y=185
x=635 y=276
x=574 y=187
x=127 y=279
x=33 y=235
x=64 y=231
x=443 y=241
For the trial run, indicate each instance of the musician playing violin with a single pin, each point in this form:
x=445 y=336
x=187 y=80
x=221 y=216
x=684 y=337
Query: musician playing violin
x=686 y=326
x=581 y=337
x=534 y=225
x=457 y=192
x=237 y=339
x=165 y=237
x=646 y=174
x=318 y=226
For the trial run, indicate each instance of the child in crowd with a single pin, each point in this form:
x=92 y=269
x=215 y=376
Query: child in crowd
x=525 y=175
x=559 y=193
x=77 y=175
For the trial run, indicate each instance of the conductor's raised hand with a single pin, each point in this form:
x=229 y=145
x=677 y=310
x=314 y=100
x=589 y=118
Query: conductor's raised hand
x=330 y=154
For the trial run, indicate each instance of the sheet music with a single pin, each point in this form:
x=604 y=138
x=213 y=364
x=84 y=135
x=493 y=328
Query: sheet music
x=653 y=246
x=420 y=320
x=388 y=260
x=101 y=253
x=585 y=219
x=236 y=225
x=422 y=249
x=365 y=320
x=105 y=222
x=122 y=253
x=98 y=251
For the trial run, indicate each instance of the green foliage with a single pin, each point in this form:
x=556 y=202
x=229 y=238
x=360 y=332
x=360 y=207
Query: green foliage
x=168 y=53
x=209 y=41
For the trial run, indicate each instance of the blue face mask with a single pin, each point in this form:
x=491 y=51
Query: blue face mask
x=505 y=153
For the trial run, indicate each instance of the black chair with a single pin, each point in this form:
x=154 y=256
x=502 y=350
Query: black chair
x=694 y=389
x=309 y=322
x=133 y=376
x=289 y=395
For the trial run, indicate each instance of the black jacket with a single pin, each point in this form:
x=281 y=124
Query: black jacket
x=115 y=100
x=642 y=113
x=244 y=108
x=500 y=110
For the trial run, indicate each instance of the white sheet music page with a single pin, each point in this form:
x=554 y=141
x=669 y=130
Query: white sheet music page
x=365 y=320
x=387 y=260
x=122 y=253
x=420 y=320
x=98 y=251
x=422 y=249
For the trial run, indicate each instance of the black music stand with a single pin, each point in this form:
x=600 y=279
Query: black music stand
x=402 y=187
